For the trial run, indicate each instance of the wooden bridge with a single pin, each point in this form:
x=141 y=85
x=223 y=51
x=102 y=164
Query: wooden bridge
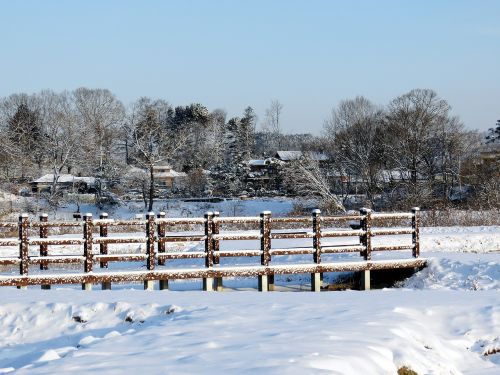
x=91 y=236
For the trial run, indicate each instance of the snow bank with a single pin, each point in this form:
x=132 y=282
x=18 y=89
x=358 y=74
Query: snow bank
x=278 y=333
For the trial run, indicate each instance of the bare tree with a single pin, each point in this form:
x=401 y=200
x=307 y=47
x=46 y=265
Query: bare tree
x=62 y=135
x=100 y=116
x=272 y=125
x=153 y=141
x=305 y=178
x=354 y=134
x=414 y=120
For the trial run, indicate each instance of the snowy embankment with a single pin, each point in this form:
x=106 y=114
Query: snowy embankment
x=247 y=332
x=443 y=320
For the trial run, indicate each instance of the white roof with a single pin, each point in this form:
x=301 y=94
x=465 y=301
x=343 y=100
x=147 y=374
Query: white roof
x=171 y=173
x=162 y=166
x=289 y=155
x=257 y=162
x=294 y=155
x=64 y=178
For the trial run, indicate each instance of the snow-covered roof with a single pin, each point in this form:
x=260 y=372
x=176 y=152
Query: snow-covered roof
x=64 y=178
x=162 y=166
x=288 y=155
x=388 y=175
x=295 y=155
x=171 y=174
x=257 y=162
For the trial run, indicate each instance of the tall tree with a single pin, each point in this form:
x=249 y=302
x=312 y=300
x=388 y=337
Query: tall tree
x=247 y=132
x=272 y=126
x=153 y=141
x=100 y=115
x=415 y=121
x=354 y=133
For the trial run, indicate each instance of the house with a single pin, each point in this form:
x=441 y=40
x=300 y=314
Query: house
x=64 y=182
x=490 y=153
x=166 y=177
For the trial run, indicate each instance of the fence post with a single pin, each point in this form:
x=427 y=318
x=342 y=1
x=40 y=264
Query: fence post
x=366 y=241
x=87 y=247
x=415 y=225
x=161 y=230
x=316 y=223
x=150 y=248
x=103 y=248
x=216 y=247
x=209 y=250
x=44 y=233
x=23 y=247
x=265 y=246
x=161 y=233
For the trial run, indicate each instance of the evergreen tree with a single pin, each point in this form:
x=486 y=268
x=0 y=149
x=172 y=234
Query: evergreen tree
x=25 y=132
x=494 y=133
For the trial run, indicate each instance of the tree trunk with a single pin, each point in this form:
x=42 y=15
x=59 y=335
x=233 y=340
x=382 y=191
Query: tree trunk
x=151 y=188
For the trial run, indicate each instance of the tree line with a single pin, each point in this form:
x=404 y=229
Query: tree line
x=411 y=150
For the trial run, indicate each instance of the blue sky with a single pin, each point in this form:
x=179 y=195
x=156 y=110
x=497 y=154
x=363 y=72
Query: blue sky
x=230 y=54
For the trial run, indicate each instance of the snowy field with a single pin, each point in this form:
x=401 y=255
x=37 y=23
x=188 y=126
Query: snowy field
x=443 y=320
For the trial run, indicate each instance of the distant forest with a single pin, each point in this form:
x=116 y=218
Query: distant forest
x=411 y=150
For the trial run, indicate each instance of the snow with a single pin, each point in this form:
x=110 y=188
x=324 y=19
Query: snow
x=444 y=319
x=247 y=332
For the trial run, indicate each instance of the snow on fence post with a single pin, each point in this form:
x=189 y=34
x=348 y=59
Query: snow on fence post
x=88 y=226
x=265 y=246
x=103 y=248
x=366 y=241
x=316 y=223
x=23 y=246
x=209 y=250
x=150 y=248
x=44 y=233
x=216 y=247
x=415 y=225
x=161 y=230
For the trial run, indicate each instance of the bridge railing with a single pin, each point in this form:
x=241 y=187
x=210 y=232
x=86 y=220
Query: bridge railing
x=92 y=238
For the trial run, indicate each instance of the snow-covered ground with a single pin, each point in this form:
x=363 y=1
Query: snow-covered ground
x=133 y=332
x=443 y=320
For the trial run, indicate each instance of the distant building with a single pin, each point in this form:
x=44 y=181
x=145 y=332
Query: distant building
x=166 y=177
x=490 y=153
x=65 y=182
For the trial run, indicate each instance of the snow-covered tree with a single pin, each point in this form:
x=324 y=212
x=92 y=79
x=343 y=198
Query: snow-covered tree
x=353 y=130
x=494 y=133
x=153 y=140
x=305 y=178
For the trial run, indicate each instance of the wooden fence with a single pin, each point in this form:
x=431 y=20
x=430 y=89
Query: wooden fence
x=159 y=231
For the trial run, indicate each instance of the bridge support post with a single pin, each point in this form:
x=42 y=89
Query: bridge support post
x=365 y=280
x=208 y=282
x=316 y=278
x=265 y=247
x=218 y=286
x=163 y=284
x=263 y=283
x=315 y=282
x=366 y=241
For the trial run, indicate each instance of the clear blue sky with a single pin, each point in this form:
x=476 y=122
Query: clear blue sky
x=231 y=54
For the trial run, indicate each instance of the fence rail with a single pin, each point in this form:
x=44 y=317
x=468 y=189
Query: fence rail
x=158 y=232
